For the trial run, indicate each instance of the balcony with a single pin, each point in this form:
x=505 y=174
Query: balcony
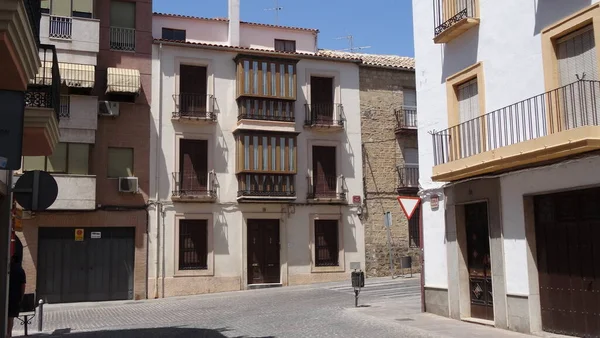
x=266 y=187
x=266 y=114
x=122 y=39
x=61 y=27
x=408 y=179
x=20 y=28
x=42 y=107
x=548 y=127
x=453 y=17
x=71 y=33
x=406 y=120
x=324 y=116
x=194 y=187
x=326 y=189
x=194 y=108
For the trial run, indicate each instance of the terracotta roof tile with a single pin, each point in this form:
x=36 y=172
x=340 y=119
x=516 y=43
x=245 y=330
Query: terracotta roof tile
x=376 y=60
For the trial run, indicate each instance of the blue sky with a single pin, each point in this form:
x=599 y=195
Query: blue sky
x=385 y=25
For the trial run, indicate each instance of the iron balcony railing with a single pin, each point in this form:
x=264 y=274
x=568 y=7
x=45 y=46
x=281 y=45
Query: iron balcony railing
x=34 y=13
x=194 y=184
x=198 y=106
x=446 y=13
x=65 y=106
x=406 y=118
x=571 y=106
x=122 y=39
x=408 y=176
x=61 y=27
x=324 y=114
x=326 y=186
x=266 y=110
x=266 y=185
x=43 y=91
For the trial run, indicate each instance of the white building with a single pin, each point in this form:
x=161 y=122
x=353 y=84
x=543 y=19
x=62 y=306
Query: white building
x=513 y=161
x=257 y=157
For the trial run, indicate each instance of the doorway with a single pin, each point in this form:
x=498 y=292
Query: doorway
x=263 y=251
x=478 y=263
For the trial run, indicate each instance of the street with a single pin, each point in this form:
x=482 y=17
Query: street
x=387 y=308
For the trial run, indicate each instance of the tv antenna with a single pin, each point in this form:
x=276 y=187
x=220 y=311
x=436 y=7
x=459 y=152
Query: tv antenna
x=277 y=9
x=350 y=39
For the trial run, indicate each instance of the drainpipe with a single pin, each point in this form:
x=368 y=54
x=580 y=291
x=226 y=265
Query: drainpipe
x=158 y=205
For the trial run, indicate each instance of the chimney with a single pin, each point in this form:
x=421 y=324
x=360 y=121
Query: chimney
x=234 y=23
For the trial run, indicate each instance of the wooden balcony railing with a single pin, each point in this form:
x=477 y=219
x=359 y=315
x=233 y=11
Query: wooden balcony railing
x=266 y=186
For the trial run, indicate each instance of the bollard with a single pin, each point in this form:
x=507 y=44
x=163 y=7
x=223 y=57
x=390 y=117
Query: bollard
x=358 y=281
x=40 y=316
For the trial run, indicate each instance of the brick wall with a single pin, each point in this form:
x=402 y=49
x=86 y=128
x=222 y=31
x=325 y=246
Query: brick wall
x=380 y=94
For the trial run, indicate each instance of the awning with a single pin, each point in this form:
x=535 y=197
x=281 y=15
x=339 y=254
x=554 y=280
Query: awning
x=44 y=75
x=120 y=80
x=77 y=75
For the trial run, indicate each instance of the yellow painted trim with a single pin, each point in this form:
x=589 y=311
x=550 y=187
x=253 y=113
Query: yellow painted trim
x=551 y=147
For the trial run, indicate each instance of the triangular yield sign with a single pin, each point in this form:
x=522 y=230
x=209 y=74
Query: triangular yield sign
x=409 y=204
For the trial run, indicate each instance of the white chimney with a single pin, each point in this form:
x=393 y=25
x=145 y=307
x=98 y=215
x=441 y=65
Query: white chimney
x=234 y=23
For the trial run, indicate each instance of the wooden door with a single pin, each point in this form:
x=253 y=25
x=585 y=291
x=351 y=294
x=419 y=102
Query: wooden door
x=324 y=172
x=322 y=98
x=192 y=90
x=567 y=227
x=263 y=251
x=193 y=166
x=480 y=271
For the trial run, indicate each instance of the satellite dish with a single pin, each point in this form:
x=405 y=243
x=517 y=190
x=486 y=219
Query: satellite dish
x=35 y=190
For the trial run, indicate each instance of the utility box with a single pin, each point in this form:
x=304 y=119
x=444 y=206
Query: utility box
x=358 y=279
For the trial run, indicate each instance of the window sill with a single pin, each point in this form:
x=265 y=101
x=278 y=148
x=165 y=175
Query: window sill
x=194 y=273
x=327 y=269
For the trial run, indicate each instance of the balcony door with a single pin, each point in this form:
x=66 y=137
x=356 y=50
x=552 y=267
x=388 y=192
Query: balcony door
x=411 y=163
x=193 y=166
x=322 y=100
x=470 y=126
x=192 y=90
x=324 y=172
x=263 y=251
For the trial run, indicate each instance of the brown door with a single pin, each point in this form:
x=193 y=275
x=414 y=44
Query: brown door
x=321 y=96
x=193 y=166
x=567 y=227
x=480 y=272
x=324 y=172
x=263 y=251
x=192 y=90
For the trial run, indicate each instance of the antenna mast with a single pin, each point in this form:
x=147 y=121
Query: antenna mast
x=277 y=8
x=350 y=39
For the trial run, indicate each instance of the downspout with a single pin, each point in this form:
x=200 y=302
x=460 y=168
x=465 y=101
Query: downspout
x=158 y=205
x=162 y=265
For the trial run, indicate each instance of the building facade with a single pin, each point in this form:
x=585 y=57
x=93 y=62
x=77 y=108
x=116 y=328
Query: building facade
x=508 y=124
x=257 y=140
x=90 y=245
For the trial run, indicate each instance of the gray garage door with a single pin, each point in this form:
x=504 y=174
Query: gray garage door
x=97 y=268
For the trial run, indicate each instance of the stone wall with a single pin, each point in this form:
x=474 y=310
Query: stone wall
x=380 y=94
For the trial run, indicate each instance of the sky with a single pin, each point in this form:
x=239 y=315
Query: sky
x=384 y=25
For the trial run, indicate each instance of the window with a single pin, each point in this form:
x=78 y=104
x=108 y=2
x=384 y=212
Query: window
x=120 y=162
x=193 y=244
x=326 y=243
x=468 y=101
x=193 y=166
x=68 y=8
x=285 y=45
x=267 y=153
x=266 y=109
x=67 y=158
x=414 y=228
x=324 y=177
x=193 y=95
x=122 y=25
x=83 y=8
x=410 y=97
x=262 y=78
x=173 y=34
x=322 y=99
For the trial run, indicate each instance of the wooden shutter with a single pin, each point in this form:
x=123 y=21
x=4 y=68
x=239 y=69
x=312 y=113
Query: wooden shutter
x=577 y=56
x=193 y=165
x=321 y=99
x=410 y=97
x=192 y=89
x=193 y=244
x=468 y=101
x=324 y=171
x=122 y=14
x=326 y=243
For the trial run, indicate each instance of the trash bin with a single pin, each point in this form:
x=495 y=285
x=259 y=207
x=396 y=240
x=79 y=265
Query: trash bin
x=406 y=263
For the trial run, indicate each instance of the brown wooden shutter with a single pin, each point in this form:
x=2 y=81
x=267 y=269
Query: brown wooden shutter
x=326 y=243
x=193 y=165
x=192 y=89
x=321 y=99
x=324 y=171
x=193 y=244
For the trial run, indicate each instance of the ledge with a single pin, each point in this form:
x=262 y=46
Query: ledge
x=40 y=131
x=194 y=199
x=283 y=126
x=456 y=30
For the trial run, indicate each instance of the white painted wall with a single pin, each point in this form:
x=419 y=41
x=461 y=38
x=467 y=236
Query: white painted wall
x=197 y=30
x=75 y=192
x=263 y=38
x=81 y=126
x=84 y=44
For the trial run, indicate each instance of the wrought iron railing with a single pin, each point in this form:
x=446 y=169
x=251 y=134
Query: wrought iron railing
x=571 y=106
x=406 y=118
x=122 y=39
x=446 y=13
x=266 y=185
x=266 y=110
x=44 y=90
x=198 y=106
x=34 y=13
x=65 y=106
x=326 y=186
x=61 y=27
x=324 y=114
x=408 y=176
x=194 y=184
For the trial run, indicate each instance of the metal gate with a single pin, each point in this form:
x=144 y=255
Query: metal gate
x=567 y=227
x=97 y=267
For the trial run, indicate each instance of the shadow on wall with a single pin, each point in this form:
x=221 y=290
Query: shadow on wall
x=548 y=12
x=221 y=233
x=460 y=54
x=164 y=332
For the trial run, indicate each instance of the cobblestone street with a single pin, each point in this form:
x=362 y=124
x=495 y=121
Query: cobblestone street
x=387 y=308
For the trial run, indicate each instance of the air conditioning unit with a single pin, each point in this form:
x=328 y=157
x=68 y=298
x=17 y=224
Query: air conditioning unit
x=108 y=108
x=128 y=184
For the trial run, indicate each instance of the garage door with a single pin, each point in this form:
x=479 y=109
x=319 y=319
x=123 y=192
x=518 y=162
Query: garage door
x=97 y=268
x=568 y=250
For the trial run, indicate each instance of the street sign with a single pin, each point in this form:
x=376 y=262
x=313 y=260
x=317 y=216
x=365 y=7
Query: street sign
x=12 y=116
x=356 y=199
x=434 y=201
x=35 y=190
x=95 y=234
x=387 y=219
x=409 y=204
x=79 y=235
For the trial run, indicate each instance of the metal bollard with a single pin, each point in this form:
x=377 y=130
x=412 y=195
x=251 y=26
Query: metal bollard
x=358 y=282
x=40 y=315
